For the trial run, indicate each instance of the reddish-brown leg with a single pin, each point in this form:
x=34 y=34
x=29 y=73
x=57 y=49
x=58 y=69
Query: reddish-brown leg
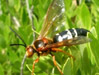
x=36 y=61
x=55 y=63
x=60 y=50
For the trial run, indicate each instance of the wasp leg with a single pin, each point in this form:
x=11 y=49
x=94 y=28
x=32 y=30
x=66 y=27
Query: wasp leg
x=36 y=61
x=55 y=63
x=60 y=50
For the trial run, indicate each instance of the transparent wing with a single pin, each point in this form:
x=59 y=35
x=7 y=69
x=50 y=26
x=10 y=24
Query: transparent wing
x=77 y=41
x=55 y=19
x=70 y=42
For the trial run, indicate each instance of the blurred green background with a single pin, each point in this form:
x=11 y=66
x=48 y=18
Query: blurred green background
x=13 y=13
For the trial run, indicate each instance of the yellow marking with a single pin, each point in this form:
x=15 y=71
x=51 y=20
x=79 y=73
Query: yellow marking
x=27 y=53
x=34 y=47
x=40 y=52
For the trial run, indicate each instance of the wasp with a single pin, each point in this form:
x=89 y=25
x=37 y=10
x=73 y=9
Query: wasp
x=53 y=35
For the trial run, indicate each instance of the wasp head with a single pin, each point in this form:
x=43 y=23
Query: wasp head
x=29 y=51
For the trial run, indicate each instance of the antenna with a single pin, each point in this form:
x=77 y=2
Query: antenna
x=19 y=38
x=17 y=45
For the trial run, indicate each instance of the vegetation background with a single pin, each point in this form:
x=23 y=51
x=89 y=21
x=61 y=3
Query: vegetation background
x=14 y=13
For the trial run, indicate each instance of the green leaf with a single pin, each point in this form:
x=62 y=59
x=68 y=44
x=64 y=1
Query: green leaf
x=95 y=48
x=24 y=17
x=7 y=20
x=11 y=3
x=96 y=2
x=67 y=4
x=67 y=68
x=86 y=66
x=17 y=5
x=12 y=56
x=1 y=70
x=2 y=42
x=85 y=16
x=97 y=30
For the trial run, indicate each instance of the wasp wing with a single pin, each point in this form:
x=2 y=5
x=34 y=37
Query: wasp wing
x=75 y=41
x=55 y=17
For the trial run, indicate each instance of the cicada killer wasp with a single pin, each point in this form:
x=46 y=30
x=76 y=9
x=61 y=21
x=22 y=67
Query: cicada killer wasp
x=54 y=35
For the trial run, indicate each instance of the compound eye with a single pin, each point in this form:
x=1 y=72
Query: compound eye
x=29 y=52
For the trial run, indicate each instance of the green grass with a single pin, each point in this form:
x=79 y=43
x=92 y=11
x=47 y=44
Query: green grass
x=87 y=55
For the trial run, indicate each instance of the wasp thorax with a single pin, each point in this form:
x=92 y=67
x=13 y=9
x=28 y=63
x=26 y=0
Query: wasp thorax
x=39 y=43
x=29 y=51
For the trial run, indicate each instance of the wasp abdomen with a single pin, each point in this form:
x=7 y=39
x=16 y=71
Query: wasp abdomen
x=69 y=34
